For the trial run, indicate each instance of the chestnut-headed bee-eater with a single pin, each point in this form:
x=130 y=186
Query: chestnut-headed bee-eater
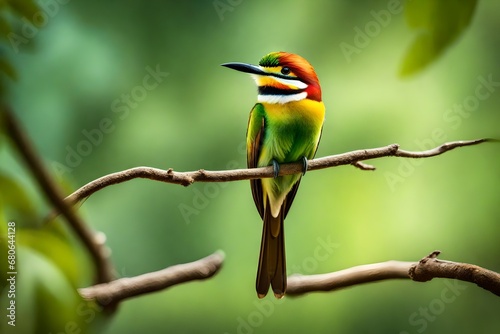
x=285 y=125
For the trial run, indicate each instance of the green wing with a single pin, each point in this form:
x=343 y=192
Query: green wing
x=255 y=133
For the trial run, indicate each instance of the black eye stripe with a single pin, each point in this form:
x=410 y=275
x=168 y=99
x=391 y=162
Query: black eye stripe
x=279 y=75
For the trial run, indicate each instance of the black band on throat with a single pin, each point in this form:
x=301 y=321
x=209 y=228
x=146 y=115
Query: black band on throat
x=270 y=90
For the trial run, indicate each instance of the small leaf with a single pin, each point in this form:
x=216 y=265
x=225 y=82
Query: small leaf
x=15 y=201
x=438 y=24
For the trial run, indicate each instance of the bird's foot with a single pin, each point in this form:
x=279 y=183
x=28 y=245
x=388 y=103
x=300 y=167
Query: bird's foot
x=276 y=168
x=305 y=163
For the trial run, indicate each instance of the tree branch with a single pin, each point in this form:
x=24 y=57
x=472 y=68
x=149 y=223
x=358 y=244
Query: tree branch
x=426 y=269
x=110 y=294
x=430 y=267
x=94 y=245
x=188 y=178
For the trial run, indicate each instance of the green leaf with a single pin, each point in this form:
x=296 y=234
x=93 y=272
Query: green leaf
x=438 y=24
x=43 y=295
x=48 y=275
x=50 y=242
x=15 y=201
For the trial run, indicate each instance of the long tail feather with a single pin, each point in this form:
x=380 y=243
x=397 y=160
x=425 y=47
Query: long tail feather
x=272 y=264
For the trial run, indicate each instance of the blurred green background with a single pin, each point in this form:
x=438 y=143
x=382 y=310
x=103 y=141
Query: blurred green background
x=76 y=73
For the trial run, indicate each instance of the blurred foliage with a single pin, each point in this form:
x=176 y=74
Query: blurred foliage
x=12 y=12
x=104 y=92
x=48 y=276
x=47 y=294
x=16 y=199
x=437 y=24
x=48 y=264
x=49 y=268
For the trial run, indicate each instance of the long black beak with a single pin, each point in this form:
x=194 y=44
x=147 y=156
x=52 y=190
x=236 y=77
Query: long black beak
x=247 y=68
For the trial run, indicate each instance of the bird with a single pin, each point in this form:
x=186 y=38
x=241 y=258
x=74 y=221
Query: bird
x=285 y=125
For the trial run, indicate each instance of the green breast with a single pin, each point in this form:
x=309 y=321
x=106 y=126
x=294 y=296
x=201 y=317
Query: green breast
x=290 y=134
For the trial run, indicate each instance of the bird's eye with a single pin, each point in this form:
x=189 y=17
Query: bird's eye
x=285 y=70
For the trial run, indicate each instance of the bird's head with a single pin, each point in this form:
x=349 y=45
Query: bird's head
x=282 y=77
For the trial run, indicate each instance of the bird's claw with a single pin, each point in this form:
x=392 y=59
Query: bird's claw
x=305 y=163
x=276 y=168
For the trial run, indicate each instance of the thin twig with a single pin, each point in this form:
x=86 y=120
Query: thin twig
x=363 y=166
x=104 y=270
x=188 y=178
x=424 y=270
x=442 y=148
x=110 y=294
